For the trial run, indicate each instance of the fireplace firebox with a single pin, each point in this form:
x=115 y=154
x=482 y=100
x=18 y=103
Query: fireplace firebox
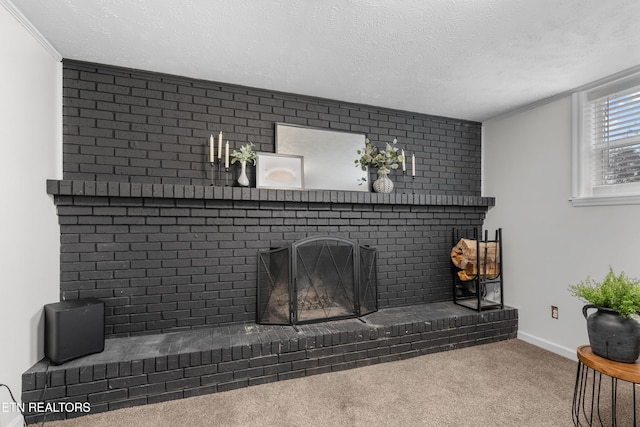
x=316 y=279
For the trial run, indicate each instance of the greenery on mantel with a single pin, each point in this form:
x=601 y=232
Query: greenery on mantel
x=246 y=154
x=385 y=160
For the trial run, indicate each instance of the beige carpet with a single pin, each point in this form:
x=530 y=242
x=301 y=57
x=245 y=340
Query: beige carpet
x=510 y=383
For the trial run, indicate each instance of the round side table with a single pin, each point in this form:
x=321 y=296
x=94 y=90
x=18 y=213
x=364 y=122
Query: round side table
x=589 y=408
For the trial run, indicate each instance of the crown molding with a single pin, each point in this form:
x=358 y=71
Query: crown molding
x=13 y=10
x=605 y=80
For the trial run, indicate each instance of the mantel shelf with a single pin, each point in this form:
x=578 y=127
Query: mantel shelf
x=201 y=192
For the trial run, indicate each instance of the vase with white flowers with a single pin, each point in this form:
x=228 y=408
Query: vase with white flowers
x=384 y=160
x=244 y=156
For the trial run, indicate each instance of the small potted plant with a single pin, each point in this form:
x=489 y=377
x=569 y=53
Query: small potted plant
x=614 y=331
x=246 y=154
x=384 y=160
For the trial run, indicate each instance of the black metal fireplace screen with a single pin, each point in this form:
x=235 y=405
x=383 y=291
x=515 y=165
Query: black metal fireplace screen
x=316 y=279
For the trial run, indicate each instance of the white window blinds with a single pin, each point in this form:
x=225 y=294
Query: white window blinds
x=615 y=137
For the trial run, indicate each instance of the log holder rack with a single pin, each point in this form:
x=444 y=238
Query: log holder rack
x=484 y=291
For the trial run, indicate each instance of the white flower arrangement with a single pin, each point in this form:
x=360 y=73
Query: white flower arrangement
x=245 y=154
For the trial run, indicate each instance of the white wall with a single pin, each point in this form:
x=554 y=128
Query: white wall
x=30 y=84
x=548 y=243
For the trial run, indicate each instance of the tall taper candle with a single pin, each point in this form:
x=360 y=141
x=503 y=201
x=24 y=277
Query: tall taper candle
x=220 y=146
x=404 y=165
x=226 y=155
x=212 y=156
x=413 y=165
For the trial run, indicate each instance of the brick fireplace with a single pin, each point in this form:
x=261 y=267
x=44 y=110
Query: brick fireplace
x=142 y=229
x=168 y=257
x=174 y=259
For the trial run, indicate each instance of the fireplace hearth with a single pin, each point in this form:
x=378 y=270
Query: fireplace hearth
x=316 y=279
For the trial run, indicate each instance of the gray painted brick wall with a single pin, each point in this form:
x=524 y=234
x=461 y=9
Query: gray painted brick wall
x=123 y=125
x=142 y=230
x=168 y=264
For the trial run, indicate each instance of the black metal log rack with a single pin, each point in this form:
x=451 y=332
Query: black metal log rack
x=483 y=291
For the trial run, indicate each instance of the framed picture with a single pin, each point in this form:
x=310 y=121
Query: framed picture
x=279 y=171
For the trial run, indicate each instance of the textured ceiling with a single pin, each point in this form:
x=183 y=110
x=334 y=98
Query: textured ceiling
x=468 y=59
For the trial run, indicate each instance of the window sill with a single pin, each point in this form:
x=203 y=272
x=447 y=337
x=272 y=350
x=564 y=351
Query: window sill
x=606 y=200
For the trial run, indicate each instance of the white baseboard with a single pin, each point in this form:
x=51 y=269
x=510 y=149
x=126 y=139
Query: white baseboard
x=547 y=345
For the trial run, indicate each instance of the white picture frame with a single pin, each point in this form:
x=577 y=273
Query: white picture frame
x=279 y=171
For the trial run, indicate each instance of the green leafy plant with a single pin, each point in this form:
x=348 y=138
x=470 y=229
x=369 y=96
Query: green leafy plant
x=385 y=160
x=619 y=293
x=246 y=154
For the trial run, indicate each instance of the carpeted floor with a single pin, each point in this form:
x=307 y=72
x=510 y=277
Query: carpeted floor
x=509 y=383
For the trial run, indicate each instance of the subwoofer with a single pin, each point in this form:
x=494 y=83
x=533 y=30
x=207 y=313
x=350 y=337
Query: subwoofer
x=73 y=328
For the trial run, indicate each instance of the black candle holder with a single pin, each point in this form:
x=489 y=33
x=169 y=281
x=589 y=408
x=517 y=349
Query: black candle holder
x=213 y=174
x=405 y=190
x=226 y=177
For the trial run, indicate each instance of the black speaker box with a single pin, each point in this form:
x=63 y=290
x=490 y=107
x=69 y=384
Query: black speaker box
x=73 y=328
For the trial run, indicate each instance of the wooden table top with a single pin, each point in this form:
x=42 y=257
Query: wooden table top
x=623 y=371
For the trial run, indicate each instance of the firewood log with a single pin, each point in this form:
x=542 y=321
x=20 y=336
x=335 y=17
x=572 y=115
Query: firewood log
x=464 y=256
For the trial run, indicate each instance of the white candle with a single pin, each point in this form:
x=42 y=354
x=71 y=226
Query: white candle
x=220 y=146
x=226 y=155
x=212 y=156
x=404 y=165
x=413 y=165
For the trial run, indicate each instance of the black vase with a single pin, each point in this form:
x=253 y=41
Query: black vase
x=612 y=336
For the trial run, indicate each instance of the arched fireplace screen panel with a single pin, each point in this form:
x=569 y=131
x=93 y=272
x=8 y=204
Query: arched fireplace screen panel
x=314 y=280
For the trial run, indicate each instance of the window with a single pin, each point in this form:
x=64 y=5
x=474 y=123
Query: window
x=607 y=144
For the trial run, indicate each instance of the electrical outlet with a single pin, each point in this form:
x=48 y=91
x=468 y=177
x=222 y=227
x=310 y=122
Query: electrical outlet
x=554 y=312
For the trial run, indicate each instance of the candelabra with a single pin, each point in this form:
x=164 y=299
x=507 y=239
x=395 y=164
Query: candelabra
x=405 y=190
x=213 y=174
